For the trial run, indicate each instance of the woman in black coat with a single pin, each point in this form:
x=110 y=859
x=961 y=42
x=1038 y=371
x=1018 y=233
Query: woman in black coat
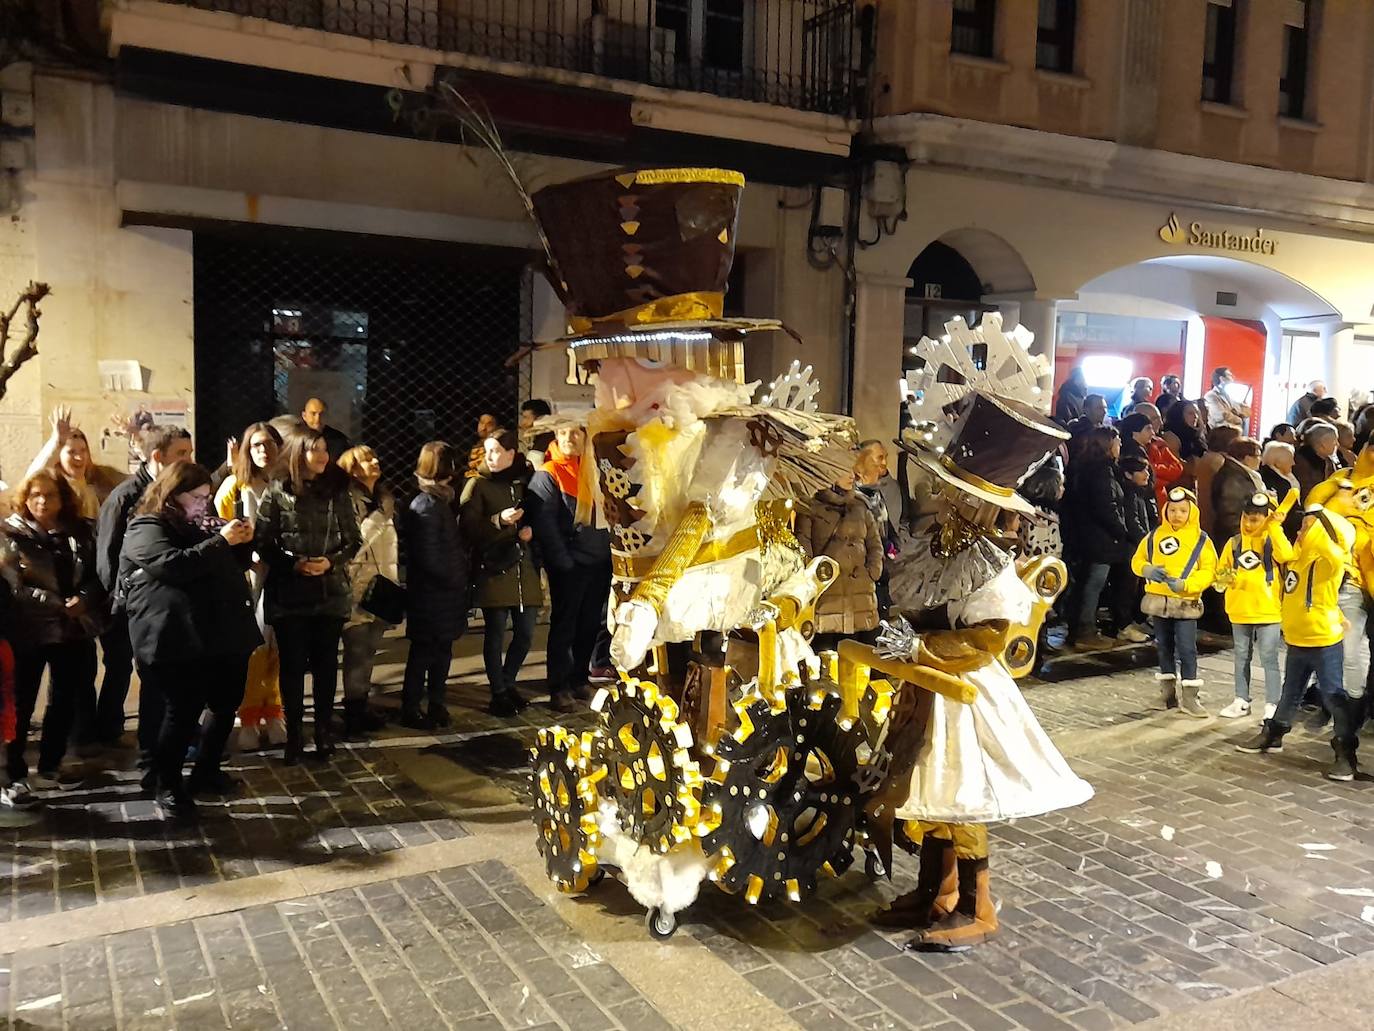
x=191 y=623
x=306 y=533
x=47 y=557
x=436 y=587
x=1097 y=537
x=496 y=515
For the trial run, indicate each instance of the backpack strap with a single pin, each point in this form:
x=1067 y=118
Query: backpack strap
x=1195 y=556
x=1268 y=560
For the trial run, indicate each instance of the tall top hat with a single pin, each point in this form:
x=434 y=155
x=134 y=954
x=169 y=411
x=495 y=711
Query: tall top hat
x=995 y=445
x=640 y=259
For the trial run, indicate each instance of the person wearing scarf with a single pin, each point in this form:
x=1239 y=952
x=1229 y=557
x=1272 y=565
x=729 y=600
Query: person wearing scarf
x=577 y=559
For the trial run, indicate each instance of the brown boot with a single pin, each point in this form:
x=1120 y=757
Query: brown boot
x=937 y=890
x=974 y=919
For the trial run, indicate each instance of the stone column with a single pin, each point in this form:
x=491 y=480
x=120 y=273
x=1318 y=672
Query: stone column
x=1041 y=317
x=1338 y=341
x=880 y=310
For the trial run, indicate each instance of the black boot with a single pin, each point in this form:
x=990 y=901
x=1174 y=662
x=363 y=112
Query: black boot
x=324 y=747
x=1343 y=765
x=295 y=744
x=1269 y=739
x=355 y=719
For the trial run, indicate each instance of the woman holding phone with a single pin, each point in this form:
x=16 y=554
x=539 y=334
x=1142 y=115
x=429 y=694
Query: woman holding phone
x=261 y=714
x=495 y=519
x=191 y=625
x=306 y=535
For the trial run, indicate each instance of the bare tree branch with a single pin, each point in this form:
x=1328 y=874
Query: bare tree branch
x=28 y=346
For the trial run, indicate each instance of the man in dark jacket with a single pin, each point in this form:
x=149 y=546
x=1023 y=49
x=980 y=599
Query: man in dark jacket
x=1302 y=407
x=577 y=560
x=102 y=721
x=313 y=415
x=1315 y=458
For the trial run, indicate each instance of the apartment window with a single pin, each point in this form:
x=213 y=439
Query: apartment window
x=1219 y=51
x=1054 y=35
x=973 y=28
x=706 y=33
x=1297 y=42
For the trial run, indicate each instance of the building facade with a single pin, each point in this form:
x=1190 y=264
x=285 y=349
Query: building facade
x=1150 y=186
x=242 y=203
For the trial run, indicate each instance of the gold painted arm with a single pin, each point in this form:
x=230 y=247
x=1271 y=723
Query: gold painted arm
x=858 y=661
x=676 y=556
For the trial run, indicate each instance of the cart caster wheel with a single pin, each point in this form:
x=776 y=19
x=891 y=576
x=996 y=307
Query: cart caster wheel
x=873 y=867
x=597 y=878
x=660 y=925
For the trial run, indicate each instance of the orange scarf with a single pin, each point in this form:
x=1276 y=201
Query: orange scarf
x=563 y=468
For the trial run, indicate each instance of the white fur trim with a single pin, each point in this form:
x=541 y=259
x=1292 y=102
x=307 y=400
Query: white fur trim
x=1162 y=677
x=1190 y=683
x=670 y=882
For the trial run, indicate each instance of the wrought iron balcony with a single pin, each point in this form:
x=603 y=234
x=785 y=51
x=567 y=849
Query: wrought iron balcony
x=799 y=54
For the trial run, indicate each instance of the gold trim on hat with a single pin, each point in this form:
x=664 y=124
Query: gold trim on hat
x=977 y=481
x=665 y=176
x=688 y=307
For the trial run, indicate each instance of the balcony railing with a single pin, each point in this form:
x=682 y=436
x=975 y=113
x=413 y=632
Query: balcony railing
x=794 y=53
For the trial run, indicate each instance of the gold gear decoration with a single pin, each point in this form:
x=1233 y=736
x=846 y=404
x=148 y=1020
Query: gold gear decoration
x=644 y=751
x=563 y=783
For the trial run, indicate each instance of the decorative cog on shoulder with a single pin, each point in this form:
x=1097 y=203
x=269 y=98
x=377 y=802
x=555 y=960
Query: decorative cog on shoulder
x=649 y=771
x=563 y=783
x=780 y=808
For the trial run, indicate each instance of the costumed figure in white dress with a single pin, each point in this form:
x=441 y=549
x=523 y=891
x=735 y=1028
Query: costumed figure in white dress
x=989 y=760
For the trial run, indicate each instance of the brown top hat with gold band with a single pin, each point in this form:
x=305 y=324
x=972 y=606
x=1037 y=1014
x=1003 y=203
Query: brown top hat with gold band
x=996 y=444
x=641 y=259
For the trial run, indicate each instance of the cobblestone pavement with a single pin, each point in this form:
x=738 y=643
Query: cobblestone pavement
x=1195 y=874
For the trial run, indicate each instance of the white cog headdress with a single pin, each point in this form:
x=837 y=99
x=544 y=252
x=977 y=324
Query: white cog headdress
x=963 y=360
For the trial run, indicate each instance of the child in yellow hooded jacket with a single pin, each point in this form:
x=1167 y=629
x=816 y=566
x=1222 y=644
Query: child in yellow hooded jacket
x=1178 y=563
x=1250 y=572
x=1314 y=629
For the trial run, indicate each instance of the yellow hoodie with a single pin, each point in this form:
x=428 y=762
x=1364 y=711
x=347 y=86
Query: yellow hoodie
x=1256 y=593
x=1350 y=493
x=1185 y=554
x=1311 y=616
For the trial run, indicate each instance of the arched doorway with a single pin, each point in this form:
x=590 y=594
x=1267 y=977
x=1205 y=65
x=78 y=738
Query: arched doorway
x=1187 y=315
x=962 y=273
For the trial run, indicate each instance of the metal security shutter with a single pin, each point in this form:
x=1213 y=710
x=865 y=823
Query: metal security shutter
x=405 y=340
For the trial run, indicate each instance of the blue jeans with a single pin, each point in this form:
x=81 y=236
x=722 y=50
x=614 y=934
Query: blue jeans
x=1176 y=641
x=1328 y=665
x=502 y=673
x=1356 y=660
x=1090 y=595
x=1267 y=637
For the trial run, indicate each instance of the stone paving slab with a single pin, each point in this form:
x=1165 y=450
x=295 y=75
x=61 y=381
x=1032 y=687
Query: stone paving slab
x=467 y=948
x=1196 y=875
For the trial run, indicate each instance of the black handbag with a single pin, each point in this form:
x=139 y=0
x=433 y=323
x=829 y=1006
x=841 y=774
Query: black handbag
x=385 y=599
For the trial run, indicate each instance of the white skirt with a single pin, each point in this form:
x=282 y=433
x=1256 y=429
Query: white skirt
x=989 y=761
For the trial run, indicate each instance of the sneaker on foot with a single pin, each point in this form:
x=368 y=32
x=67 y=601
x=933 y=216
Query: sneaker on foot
x=1239 y=707
x=601 y=675
x=17 y=796
x=1263 y=742
x=41 y=781
x=275 y=731
x=1317 y=721
x=176 y=806
x=1132 y=635
x=1094 y=643
x=1341 y=768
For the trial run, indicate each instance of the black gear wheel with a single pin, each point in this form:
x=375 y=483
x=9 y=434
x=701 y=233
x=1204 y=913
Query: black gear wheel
x=650 y=774
x=565 y=808
x=782 y=803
